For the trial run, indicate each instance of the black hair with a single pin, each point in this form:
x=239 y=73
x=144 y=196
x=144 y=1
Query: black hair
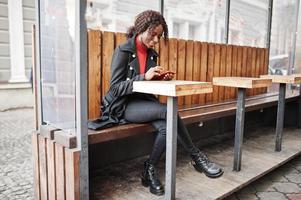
x=148 y=19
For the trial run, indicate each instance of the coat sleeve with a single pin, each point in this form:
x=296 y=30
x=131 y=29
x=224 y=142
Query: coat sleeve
x=119 y=85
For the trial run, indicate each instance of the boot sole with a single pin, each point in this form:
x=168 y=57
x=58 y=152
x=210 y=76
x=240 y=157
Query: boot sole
x=146 y=184
x=207 y=174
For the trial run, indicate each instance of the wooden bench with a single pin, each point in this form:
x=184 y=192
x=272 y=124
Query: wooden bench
x=56 y=159
x=190 y=115
x=192 y=60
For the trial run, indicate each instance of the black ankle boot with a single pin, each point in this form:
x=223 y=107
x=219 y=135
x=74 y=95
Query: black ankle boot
x=149 y=178
x=203 y=164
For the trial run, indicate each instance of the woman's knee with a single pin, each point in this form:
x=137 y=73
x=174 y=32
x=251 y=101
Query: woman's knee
x=160 y=126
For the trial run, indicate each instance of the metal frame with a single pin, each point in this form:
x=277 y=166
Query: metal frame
x=81 y=95
x=280 y=116
x=269 y=26
x=38 y=66
x=161 y=7
x=293 y=54
x=227 y=17
x=239 y=128
x=171 y=147
x=81 y=89
x=299 y=108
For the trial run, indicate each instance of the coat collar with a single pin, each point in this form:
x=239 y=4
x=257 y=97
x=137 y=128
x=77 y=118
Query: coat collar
x=130 y=46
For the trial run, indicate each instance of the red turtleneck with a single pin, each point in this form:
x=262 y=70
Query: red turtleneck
x=142 y=55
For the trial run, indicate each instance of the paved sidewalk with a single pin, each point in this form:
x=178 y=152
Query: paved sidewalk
x=282 y=184
x=16 y=173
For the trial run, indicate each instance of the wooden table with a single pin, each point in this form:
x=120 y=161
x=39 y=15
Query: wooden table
x=242 y=83
x=283 y=80
x=171 y=89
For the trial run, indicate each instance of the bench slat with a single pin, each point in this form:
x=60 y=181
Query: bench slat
x=244 y=62
x=107 y=52
x=257 y=69
x=36 y=160
x=181 y=65
x=210 y=67
x=118 y=132
x=266 y=64
x=233 y=70
x=196 y=68
x=120 y=38
x=228 y=71
x=60 y=172
x=216 y=71
x=204 y=68
x=164 y=61
x=222 y=72
x=94 y=63
x=239 y=61
x=254 y=57
x=261 y=68
x=43 y=167
x=188 y=68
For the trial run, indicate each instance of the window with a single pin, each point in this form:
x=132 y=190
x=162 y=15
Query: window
x=195 y=19
x=116 y=16
x=248 y=22
x=283 y=25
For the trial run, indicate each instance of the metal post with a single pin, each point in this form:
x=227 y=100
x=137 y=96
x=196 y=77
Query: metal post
x=239 y=128
x=161 y=7
x=227 y=17
x=299 y=105
x=293 y=52
x=280 y=116
x=81 y=95
x=269 y=26
x=38 y=66
x=171 y=147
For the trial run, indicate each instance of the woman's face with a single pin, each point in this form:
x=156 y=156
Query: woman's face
x=151 y=37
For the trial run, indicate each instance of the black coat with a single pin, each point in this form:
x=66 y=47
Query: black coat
x=125 y=70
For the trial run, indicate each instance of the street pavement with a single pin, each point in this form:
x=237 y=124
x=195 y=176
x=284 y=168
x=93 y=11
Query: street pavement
x=16 y=169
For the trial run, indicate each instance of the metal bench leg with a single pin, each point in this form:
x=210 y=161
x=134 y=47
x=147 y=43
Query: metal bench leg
x=280 y=116
x=171 y=147
x=299 y=110
x=239 y=128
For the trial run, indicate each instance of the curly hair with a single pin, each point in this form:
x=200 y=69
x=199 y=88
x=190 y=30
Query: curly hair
x=148 y=19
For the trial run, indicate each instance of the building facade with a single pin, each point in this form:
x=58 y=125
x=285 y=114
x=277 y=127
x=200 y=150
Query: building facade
x=202 y=20
x=16 y=20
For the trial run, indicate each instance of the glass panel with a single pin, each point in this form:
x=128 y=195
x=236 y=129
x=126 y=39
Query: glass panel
x=283 y=25
x=116 y=16
x=202 y=20
x=248 y=22
x=298 y=45
x=57 y=28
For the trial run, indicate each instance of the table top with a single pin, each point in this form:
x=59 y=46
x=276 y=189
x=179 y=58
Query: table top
x=294 y=78
x=242 y=82
x=172 y=88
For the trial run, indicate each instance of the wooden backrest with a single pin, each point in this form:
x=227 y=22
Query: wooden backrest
x=191 y=60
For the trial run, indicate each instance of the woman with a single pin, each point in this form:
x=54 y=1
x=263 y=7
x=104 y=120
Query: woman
x=135 y=60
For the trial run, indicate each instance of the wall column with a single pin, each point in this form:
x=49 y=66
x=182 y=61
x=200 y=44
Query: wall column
x=16 y=40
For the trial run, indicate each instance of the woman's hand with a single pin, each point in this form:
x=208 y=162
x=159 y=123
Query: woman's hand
x=168 y=76
x=152 y=72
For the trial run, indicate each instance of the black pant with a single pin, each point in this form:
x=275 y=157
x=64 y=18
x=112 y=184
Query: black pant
x=154 y=112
